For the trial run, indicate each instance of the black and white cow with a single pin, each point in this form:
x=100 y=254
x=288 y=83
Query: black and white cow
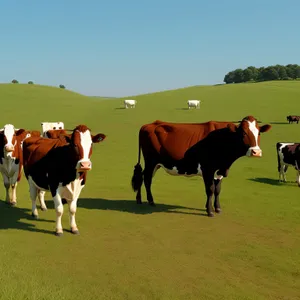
x=288 y=154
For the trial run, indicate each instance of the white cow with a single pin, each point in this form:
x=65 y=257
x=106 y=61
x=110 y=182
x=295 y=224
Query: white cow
x=129 y=103
x=51 y=126
x=193 y=103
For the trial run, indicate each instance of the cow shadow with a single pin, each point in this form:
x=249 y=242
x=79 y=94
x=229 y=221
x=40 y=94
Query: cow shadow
x=271 y=181
x=120 y=108
x=12 y=218
x=279 y=123
x=184 y=108
x=130 y=206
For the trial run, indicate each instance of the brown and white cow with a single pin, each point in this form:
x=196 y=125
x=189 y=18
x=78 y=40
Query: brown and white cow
x=288 y=154
x=206 y=149
x=59 y=165
x=292 y=119
x=11 y=158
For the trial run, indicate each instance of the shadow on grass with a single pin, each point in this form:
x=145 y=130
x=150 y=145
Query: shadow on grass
x=280 y=123
x=271 y=181
x=11 y=218
x=120 y=108
x=185 y=108
x=130 y=206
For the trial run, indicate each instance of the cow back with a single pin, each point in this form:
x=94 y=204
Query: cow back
x=174 y=139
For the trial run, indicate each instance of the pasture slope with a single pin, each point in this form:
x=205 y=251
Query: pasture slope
x=172 y=251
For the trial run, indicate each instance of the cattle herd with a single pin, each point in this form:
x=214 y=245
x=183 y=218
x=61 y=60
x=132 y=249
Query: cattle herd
x=56 y=161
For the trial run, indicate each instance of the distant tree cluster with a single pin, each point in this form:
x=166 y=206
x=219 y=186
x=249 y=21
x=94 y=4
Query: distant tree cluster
x=31 y=82
x=277 y=72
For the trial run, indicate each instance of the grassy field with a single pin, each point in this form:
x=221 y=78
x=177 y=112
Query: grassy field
x=172 y=251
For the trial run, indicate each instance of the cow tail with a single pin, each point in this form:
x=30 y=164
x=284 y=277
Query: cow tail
x=278 y=157
x=137 y=178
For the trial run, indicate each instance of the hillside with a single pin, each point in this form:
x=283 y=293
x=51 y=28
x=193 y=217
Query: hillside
x=171 y=251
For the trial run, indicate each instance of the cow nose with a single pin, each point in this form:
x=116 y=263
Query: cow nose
x=85 y=165
x=256 y=152
x=9 y=148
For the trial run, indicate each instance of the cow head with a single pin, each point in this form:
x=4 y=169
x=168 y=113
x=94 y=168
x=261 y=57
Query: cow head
x=82 y=141
x=249 y=132
x=10 y=136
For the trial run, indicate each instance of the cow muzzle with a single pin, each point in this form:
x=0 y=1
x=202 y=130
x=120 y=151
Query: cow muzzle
x=9 y=148
x=84 y=165
x=252 y=152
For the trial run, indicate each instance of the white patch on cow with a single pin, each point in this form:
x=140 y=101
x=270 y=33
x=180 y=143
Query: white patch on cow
x=86 y=143
x=218 y=177
x=255 y=131
x=72 y=190
x=9 y=131
x=51 y=126
x=174 y=171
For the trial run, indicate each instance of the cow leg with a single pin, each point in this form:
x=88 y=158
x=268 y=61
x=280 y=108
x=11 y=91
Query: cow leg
x=210 y=189
x=33 y=194
x=41 y=197
x=217 y=184
x=148 y=175
x=72 y=212
x=14 y=193
x=59 y=208
x=298 y=178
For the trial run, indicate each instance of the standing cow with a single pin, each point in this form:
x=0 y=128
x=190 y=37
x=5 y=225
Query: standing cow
x=288 y=154
x=129 y=103
x=11 y=158
x=292 y=119
x=207 y=150
x=193 y=103
x=60 y=166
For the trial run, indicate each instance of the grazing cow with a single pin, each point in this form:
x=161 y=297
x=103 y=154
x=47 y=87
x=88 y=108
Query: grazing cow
x=11 y=162
x=61 y=167
x=51 y=126
x=292 y=119
x=129 y=103
x=193 y=103
x=207 y=150
x=288 y=154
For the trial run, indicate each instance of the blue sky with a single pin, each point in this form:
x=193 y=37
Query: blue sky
x=125 y=47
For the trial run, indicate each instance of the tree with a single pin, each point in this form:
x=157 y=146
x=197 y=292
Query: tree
x=270 y=73
x=229 y=78
x=14 y=81
x=62 y=86
x=254 y=72
x=238 y=76
x=30 y=82
x=282 y=73
x=247 y=74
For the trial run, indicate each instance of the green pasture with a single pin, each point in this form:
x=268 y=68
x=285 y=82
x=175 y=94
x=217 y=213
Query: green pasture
x=172 y=251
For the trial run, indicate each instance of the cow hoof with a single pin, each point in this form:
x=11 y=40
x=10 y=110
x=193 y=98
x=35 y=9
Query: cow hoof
x=59 y=234
x=152 y=204
x=43 y=208
x=210 y=214
x=218 y=210
x=76 y=231
x=139 y=201
x=13 y=203
x=35 y=216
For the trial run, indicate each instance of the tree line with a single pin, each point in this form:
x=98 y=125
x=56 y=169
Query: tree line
x=277 y=72
x=31 y=82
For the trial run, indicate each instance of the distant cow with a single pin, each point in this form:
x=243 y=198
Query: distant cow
x=288 y=154
x=61 y=167
x=51 y=126
x=292 y=119
x=129 y=103
x=11 y=158
x=204 y=149
x=193 y=103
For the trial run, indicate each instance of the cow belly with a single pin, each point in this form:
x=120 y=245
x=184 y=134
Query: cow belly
x=72 y=190
x=181 y=170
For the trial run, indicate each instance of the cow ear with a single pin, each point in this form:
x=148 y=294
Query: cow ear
x=265 y=128
x=100 y=137
x=20 y=131
x=232 y=127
